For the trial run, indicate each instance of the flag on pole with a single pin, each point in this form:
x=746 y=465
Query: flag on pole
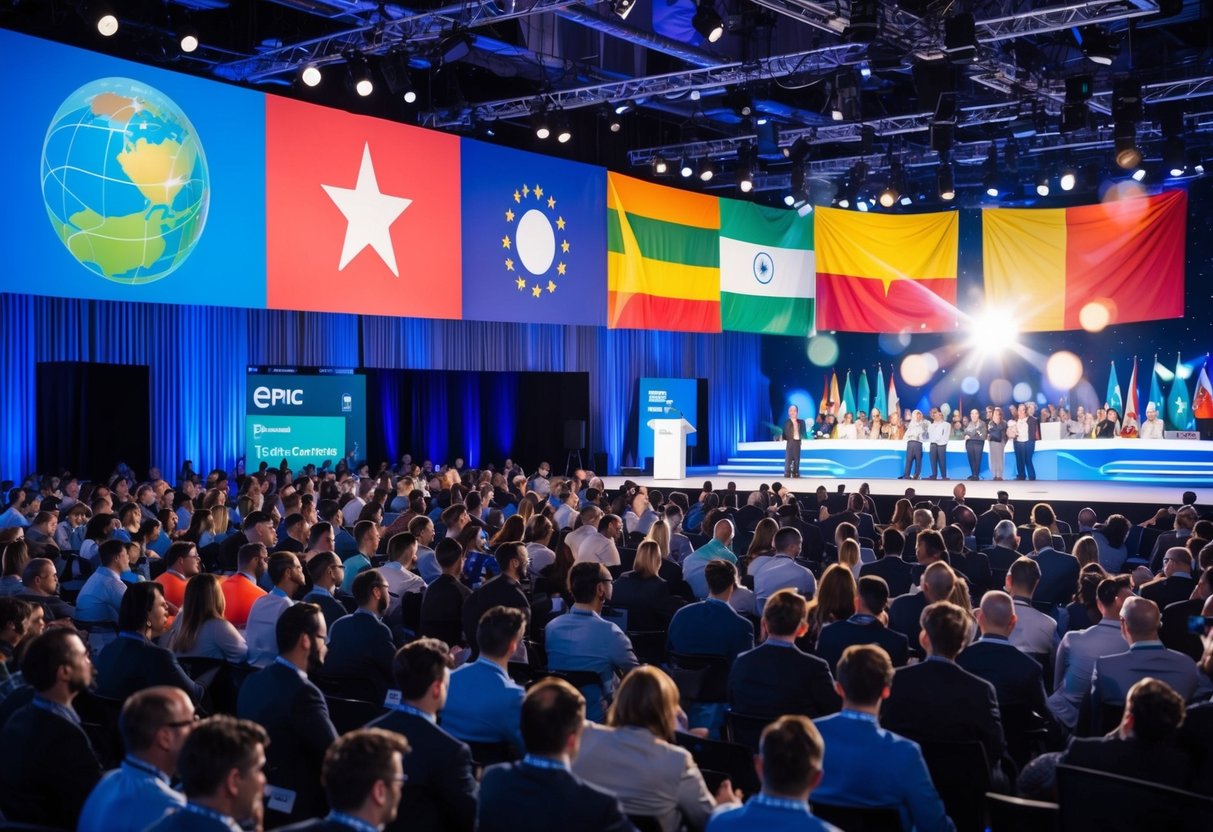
x=1113 y=399
x=848 y=398
x=863 y=399
x=835 y=398
x=824 y=407
x=767 y=269
x=1131 y=402
x=881 y=402
x=1156 y=400
x=894 y=402
x=1202 y=402
x=1179 y=408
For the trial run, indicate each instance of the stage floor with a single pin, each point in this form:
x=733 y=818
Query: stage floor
x=1020 y=491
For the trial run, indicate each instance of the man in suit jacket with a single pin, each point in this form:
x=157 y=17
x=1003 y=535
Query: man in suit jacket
x=854 y=739
x=905 y=613
x=864 y=627
x=1017 y=678
x=1035 y=632
x=505 y=590
x=1175 y=633
x=221 y=767
x=1146 y=657
x=1176 y=584
x=326 y=571
x=442 y=606
x=812 y=546
x=441 y=791
x=711 y=627
x=1080 y=649
x=973 y=565
x=776 y=677
x=292 y=710
x=1185 y=522
x=48 y=766
x=1005 y=550
x=855 y=515
x=988 y=520
x=363 y=779
x=889 y=565
x=1058 y=570
x=360 y=645
x=793 y=432
x=939 y=700
x=540 y=793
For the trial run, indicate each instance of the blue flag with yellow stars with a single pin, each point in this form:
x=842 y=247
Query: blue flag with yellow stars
x=534 y=237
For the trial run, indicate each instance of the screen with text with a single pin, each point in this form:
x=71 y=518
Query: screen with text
x=305 y=417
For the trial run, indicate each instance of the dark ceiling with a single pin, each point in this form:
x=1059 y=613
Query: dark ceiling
x=1004 y=93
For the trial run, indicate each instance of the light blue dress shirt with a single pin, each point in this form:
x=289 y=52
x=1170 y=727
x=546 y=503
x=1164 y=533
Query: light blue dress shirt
x=129 y=799
x=583 y=640
x=101 y=596
x=484 y=705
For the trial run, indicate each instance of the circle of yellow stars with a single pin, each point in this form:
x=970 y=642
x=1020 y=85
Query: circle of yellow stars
x=526 y=192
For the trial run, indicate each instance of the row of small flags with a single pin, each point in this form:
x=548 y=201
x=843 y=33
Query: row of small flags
x=1178 y=410
x=847 y=400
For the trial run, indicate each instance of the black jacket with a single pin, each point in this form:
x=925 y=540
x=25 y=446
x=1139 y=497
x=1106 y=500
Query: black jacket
x=894 y=570
x=442 y=610
x=774 y=679
x=837 y=637
x=1016 y=677
x=501 y=591
x=516 y=796
x=127 y=665
x=441 y=792
x=47 y=769
x=361 y=647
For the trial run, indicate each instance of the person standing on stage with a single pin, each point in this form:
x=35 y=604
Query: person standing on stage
x=915 y=431
x=1106 y=428
x=938 y=433
x=893 y=429
x=1021 y=436
x=996 y=431
x=847 y=428
x=793 y=432
x=975 y=440
x=876 y=426
x=1151 y=428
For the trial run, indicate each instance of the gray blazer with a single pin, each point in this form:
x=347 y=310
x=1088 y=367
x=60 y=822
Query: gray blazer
x=1115 y=674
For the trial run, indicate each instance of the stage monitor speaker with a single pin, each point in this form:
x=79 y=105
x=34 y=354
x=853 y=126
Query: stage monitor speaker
x=574 y=435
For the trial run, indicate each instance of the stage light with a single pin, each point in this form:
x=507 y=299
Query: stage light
x=747 y=162
x=1128 y=154
x=1175 y=155
x=960 y=38
x=805 y=210
x=1098 y=45
x=310 y=75
x=862 y=205
x=946 y=181
x=188 y=39
x=563 y=132
x=622 y=107
x=707 y=169
x=660 y=166
x=1042 y=185
x=540 y=123
x=991 y=185
x=1094 y=316
x=864 y=24
x=844 y=202
x=686 y=170
x=360 y=75
x=1064 y=370
x=707 y=22
x=993 y=332
x=107 y=21
x=454 y=47
x=1139 y=174
x=789 y=200
x=1068 y=179
x=888 y=196
x=623 y=8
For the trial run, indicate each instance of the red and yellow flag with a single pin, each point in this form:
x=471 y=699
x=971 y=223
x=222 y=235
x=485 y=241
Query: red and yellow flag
x=886 y=272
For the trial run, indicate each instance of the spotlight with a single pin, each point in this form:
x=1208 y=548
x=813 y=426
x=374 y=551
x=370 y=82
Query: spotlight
x=107 y=21
x=1175 y=155
x=798 y=197
x=615 y=124
x=707 y=169
x=740 y=102
x=1068 y=178
x=310 y=75
x=623 y=8
x=789 y=200
x=745 y=180
x=360 y=74
x=1139 y=174
x=991 y=185
x=707 y=22
x=806 y=209
x=685 y=170
x=540 y=124
x=1099 y=47
x=1128 y=154
x=622 y=107
x=798 y=150
x=993 y=332
x=864 y=24
x=454 y=47
x=905 y=201
x=747 y=160
x=889 y=196
x=960 y=38
x=1075 y=116
x=946 y=180
x=563 y=133
x=410 y=96
x=1042 y=185
x=893 y=191
x=188 y=38
x=862 y=205
x=660 y=166
x=844 y=202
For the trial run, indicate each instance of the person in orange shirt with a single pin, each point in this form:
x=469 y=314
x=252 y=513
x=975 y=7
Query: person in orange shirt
x=182 y=562
x=241 y=590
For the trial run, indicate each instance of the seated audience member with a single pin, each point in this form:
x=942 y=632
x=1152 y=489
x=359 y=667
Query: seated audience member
x=1035 y=632
x=258 y=527
x=441 y=790
x=360 y=644
x=442 y=604
x=326 y=571
x=155 y=723
x=1144 y=745
x=221 y=768
x=928 y=546
x=101 y=596
x=855 y=739
x=790 y=764
x=974 y=566
x=636 y=760
x=484 y=703
x=582 y=640
x=133 y=661
x=363 y=778
x=889 y=565
x=294 y=534
x=718 y=548
x=680 y=544
x=1058 y=570
x=590 y=545
x=401 y=558
x=1005 y=550
x=505 y=590
x=48 y=766
x=712 y=627
x=1017 y=679
x=200 y=628
x=1110 y=539
x=287 y=576
x=866 y=626
x=319 y=539
x=1176 y=583
x=538 y=539
x=241 y=591
x=937 y=699
x=20 y=621
x=283 y=701
x=366 y=538
x=181 y=562
x=422 y=529
x=905 y=613
x=40 y=582
x=540 y=793
x=1083 y=611
x=1080 y=649
x=772 y=573
x=1146 y=657
x=643 y=593
x=777 y=677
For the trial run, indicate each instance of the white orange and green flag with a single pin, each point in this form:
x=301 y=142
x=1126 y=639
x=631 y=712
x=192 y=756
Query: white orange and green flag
x=767 y=269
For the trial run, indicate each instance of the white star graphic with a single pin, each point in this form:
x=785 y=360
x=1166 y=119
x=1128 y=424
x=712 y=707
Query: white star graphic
x=1179 y=405
x=369 y=215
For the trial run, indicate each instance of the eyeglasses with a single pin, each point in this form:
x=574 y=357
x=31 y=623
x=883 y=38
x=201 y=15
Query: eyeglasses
x=183 y=723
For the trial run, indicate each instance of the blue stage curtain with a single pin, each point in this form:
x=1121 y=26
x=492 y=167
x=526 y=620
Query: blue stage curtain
x=197 y=358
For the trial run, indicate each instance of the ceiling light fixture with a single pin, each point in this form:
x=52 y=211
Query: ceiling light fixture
x=945 y=178
x=310 y=75
x=107 y=21
x=707 y=21
x=707 y=169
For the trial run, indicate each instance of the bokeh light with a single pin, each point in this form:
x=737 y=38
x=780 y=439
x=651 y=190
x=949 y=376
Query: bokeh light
x=823 y=350
x=1094 y=316
x=917 y=368
x=1000 y=390
x=970 y=385
x=1063 y=370
x=1022 y=391
x=894 y=343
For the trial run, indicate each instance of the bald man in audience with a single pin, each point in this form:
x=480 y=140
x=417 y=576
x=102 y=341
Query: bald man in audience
x=1017 y=679
x=905 y=612
x=1176 y=583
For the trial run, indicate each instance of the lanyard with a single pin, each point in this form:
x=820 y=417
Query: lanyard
x=544 y=763
x=405 y=708
x=357 y=824
x=784 y=803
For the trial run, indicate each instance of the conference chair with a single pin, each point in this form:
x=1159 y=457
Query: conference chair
x=961 y=774
x=858 y=818
x=746 y=729
x=1015 y=814
x=348 y=714
x=99 y=719
x=736 y=762
x=700 y=678
x=1094 y=801
x=649 y=645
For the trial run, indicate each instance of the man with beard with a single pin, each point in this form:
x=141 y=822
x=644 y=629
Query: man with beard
x=293 y=712
x=360 y=645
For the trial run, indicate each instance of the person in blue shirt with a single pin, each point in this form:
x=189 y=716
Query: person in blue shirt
x=712 y=627
x=155 y=724
x=366 y=539
x=484 y=704
x=789 y=764
x=856 y=742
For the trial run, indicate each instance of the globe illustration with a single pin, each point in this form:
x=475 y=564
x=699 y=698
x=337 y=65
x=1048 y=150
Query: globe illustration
x=125 y=180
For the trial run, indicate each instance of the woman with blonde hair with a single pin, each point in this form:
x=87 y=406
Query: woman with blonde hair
x=659 y=533
x=526 y=508
x=834 y=601
x=903 y=515
x=848 y=556
x=200 y=629
x=643 y=593
x=634 y=756
x=1086 y=550
x=763 y=543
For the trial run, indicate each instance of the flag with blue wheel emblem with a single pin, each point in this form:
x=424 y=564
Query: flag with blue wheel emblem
x=534 y=237
x=767 y=269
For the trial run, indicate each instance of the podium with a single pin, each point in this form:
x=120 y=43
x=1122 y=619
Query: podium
x=670 y=447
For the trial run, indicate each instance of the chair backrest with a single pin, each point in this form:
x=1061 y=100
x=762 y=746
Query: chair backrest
x=746 y=729
x=348 y=687
x=348 y=714
x=700 y=678
x=859 y=818
x=1046 y=669
x=961 y=774
x=649 y=645
x=627 y=557
x=99 y=719
x=485 y=754
x=1015 y=814
x=577 y=678
x=729 y=758
x=1093 y=801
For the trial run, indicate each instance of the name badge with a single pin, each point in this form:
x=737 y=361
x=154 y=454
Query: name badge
x=279 y=799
